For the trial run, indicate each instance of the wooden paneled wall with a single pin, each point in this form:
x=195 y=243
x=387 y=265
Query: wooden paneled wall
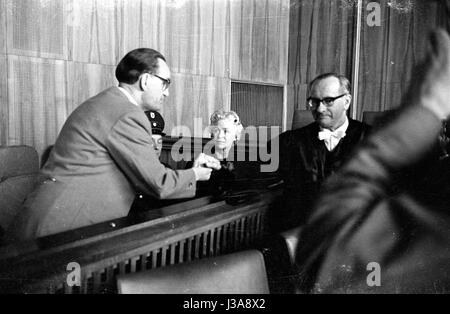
x=259 y=42
x=54 y=54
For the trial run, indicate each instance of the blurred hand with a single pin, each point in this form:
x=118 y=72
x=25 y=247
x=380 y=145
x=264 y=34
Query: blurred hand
x=202 y=173
x=435 y=89
x=204 y=160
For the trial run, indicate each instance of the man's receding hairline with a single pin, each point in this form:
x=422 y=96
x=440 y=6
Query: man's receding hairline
x=158 y=67
x=316 y=81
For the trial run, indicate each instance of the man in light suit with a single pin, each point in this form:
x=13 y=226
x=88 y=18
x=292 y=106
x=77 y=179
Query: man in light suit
x=310 y=154
x=104 y=154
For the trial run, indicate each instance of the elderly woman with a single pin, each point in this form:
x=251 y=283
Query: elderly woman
x=226 y=130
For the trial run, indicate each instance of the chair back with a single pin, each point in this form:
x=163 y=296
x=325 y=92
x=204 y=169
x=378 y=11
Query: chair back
x=19 y=168
x=237 y=273
x=375 y=118
x=301 y=118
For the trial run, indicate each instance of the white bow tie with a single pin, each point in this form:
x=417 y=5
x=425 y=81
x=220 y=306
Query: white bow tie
x=326 y=134
x=331 y=138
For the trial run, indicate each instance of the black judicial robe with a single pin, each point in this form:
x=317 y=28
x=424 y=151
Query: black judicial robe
x=305 y=163
x=388 y=205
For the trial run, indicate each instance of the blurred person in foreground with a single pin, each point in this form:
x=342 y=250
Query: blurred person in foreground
x=376 y=228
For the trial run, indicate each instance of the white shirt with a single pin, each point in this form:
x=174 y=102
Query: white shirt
x=332 y=138
x=128 y=95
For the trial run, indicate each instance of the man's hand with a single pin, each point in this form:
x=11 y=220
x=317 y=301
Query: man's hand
x=203 y=166
x=435 y=89
x=202 y=173
x=204 y=160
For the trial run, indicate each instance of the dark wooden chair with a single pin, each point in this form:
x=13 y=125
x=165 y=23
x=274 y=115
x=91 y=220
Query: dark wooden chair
x=237 y=273
x=19 y=168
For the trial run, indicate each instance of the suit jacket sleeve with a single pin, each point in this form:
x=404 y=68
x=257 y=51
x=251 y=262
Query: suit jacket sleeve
x=349 y=196
x=130 y=145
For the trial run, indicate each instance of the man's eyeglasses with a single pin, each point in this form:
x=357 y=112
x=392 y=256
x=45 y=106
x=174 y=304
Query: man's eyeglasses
x=327 y=101
x=166 y=82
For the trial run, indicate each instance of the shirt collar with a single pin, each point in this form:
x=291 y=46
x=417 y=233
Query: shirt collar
x=128 y=95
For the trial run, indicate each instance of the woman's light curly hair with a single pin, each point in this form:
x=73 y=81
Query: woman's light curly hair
x=222 y=115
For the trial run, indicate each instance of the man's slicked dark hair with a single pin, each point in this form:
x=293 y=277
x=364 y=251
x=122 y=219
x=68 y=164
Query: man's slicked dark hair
x=136 y=62
x=344 y=82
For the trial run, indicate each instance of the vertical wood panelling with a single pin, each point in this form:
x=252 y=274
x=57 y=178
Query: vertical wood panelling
x=77 y=44
x=4 y=116
x=390 y=51
x=97 y=31
x=143 y=25
x=445 y=22
x=257 y=43
x=37 y=28
x=3 y=27
x=86 y=80
x=36 y=101
x=194 y=97
x=192 y=35
x=197 y=37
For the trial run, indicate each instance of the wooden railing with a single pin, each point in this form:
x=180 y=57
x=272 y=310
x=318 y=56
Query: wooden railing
x=182 y=232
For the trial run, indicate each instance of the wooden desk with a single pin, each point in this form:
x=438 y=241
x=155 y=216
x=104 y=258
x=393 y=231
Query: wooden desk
x=191 y=230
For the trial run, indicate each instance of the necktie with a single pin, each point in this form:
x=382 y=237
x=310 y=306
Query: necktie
x=331 y=138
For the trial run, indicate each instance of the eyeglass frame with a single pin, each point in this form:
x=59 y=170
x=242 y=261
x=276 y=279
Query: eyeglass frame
x=166 y=82
x=214 y=129
x=327 y=101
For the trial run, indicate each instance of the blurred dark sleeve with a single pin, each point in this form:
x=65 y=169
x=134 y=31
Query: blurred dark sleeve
x=358 y=206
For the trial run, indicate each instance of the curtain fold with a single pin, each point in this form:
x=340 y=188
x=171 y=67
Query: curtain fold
x=321 y=39
x=389 y=52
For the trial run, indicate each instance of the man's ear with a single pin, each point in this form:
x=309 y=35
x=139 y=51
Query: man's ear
x=348 y=101
x=143 y=81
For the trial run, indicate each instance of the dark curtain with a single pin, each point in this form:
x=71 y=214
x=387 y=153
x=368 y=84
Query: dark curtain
x=390 y=51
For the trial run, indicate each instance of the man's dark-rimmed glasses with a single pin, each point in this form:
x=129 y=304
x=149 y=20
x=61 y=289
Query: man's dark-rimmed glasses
x=327 y=101
x=166 y=82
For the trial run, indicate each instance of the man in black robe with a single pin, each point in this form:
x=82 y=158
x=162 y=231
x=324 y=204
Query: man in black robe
x=382 y=223
x=310 y=154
